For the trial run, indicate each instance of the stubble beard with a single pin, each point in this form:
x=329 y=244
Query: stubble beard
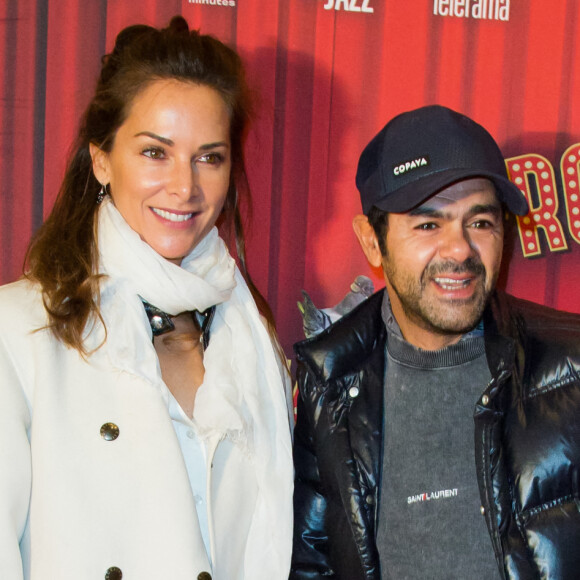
x=435 y=315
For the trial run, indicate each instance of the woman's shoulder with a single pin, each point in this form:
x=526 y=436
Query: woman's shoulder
x=21 y=305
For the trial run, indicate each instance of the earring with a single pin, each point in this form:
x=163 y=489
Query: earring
x=102 y=193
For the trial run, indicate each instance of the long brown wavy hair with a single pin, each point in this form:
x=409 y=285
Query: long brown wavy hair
x=63 y=255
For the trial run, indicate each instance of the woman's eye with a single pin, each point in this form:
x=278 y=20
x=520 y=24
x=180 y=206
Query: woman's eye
x=211 y=158
x=481 y=224
x=154 y=152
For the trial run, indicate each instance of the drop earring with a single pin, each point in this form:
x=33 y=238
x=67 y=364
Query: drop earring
x=101 y=194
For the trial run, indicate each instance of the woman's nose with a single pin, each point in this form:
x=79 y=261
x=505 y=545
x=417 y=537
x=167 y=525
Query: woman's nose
x=184 y=180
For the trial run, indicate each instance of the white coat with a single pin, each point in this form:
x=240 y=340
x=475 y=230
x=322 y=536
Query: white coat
x=76 y=504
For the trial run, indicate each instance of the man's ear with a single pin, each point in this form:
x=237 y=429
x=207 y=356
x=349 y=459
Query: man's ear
x=100 y=164
x=368 y=240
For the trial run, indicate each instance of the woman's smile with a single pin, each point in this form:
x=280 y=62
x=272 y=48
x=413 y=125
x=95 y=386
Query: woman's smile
x=172 y=216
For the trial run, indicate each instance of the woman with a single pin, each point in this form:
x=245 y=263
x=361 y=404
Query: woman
x=144 y=427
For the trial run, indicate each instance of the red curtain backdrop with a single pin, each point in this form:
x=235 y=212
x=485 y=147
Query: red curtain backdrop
x=328 y=74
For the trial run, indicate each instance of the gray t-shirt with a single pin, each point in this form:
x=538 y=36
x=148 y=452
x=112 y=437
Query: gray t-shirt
x=430 y=525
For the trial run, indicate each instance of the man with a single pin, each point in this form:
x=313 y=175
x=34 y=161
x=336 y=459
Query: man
x=438 y=431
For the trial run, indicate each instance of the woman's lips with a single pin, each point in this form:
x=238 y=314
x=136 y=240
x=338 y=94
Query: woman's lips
x=172 y=216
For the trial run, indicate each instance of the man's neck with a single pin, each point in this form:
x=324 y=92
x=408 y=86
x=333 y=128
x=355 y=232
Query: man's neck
x=416 y=333
x=427 y=340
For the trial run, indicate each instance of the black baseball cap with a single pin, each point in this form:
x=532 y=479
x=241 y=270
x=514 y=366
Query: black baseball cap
x=421 y=152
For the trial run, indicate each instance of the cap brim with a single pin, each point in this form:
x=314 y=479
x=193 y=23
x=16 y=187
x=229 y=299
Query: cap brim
x=412 y=194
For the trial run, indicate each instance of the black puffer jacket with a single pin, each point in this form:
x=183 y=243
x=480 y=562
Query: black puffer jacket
x=527 y=443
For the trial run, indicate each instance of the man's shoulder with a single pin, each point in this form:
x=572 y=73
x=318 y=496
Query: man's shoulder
x=534 y=317
x=347 y=342
x=547 y=334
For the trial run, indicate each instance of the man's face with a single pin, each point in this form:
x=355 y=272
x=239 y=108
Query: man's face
x=442 y=262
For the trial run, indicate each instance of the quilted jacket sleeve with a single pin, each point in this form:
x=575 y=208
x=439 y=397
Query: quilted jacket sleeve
x=310 y=551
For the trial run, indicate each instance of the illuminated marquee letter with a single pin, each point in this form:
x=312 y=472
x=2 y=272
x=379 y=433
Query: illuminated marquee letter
x=521 y=170
x=570 y=168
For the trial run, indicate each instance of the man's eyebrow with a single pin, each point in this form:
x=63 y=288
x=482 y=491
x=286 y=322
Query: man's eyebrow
x=426 y=211
x=163 y=140
x=492 y=208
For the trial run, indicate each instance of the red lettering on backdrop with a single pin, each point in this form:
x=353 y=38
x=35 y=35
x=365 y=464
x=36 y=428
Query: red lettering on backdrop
x=570 y=168
x=543 y=210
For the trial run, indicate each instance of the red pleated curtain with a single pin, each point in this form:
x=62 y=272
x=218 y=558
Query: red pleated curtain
x=327 y=75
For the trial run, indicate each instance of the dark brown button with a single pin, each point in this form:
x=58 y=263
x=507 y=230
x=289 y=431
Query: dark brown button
x=109 y=432
x=204 y=576
x=113 y=573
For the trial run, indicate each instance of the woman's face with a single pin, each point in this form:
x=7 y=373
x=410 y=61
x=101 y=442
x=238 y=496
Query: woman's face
x=169 y=168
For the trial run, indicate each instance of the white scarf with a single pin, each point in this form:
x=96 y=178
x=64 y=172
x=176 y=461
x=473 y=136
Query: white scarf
x=243 y=392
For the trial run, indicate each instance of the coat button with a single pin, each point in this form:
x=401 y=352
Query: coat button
x=109 y=432
x=482 y=510
x=113 y=573
x=353 y=392
x=370 y=500
x=204 y=576
x=156 y=322
x=485 y=399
